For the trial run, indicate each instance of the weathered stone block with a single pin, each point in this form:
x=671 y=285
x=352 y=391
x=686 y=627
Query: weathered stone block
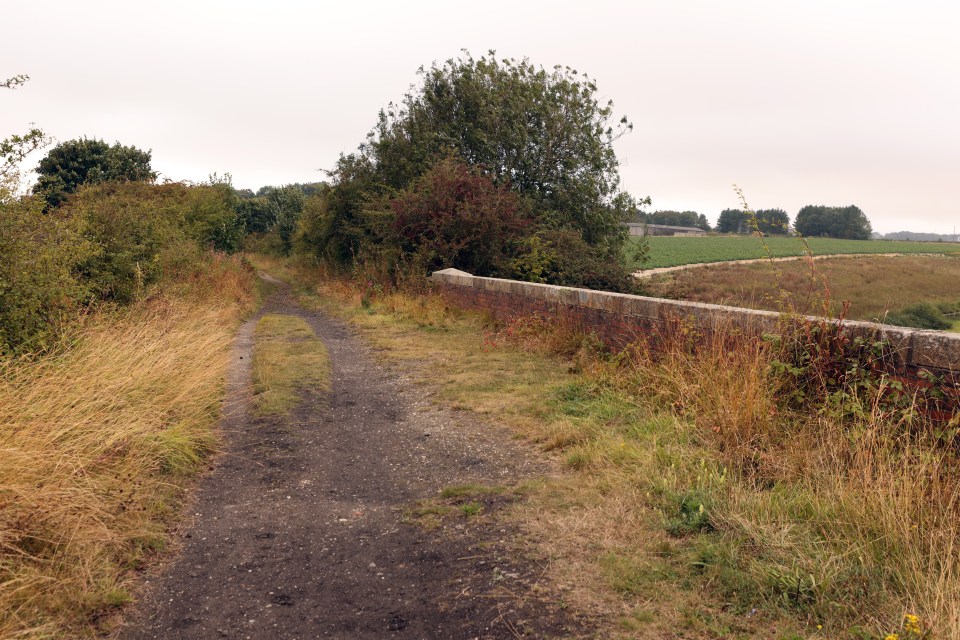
x=569 y=296
x=613 y=302
x=551 y=293
x=641 y=307
x=936 y=350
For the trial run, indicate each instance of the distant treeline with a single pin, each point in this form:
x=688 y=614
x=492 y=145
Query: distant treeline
x=812 y=220
x=918 y=237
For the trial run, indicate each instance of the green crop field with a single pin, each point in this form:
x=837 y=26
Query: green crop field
x=670 y=252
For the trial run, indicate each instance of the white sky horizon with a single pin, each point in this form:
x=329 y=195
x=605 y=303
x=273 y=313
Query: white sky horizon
x=835 y=103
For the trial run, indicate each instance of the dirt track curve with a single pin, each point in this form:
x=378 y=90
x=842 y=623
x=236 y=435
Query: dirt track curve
x=299 y=531
x=656 y=271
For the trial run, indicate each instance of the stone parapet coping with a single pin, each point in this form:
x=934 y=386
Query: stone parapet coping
x=912 y=347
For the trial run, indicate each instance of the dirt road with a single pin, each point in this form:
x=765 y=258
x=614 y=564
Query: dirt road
x=649 y=273
x=303 y=527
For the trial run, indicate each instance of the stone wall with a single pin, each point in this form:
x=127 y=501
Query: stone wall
x=620 y=319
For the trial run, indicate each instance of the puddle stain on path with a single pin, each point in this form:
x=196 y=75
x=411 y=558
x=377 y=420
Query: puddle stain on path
x=299 y=531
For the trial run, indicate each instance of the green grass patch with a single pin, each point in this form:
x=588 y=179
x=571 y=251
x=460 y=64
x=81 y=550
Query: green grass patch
x=470 y=491
x=287 y=358
x=471 y=508
x=672 y=252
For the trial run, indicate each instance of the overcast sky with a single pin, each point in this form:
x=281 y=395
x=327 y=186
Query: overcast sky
x=809 y=102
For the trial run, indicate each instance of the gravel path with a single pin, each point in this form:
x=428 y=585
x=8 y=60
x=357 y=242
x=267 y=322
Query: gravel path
x=300 y=529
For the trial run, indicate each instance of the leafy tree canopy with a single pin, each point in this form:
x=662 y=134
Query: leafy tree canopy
x=676 y=219
x=453 y=216
x=773 y=221
x=89 y=161
x=733 y=221
x=849 y=222
x=545 y=134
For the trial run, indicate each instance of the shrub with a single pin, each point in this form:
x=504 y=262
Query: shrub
x=563 y=257
x=453 y=216
x=920 y=316
x=140 y=230
x=130 y=224
x=211 y=217
x=39 y=283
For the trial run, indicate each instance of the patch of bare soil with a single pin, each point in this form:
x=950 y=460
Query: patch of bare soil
x=326 y=523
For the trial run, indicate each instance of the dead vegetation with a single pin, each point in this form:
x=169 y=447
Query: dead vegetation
x=98 y=441
x=703 y=499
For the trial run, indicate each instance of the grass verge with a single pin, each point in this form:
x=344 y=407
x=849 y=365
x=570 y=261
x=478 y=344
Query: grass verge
x=698 y=502
x=99 y=441
x=287 y=357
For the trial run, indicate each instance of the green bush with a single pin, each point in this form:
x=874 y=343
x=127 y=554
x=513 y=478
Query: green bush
x=39 y=283
x=130 y=224
x=920 y=316
x=212 y=219
x=563 y=257
x=141 y=231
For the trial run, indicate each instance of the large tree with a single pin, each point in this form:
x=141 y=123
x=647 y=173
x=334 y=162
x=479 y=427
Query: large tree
x=89 y=161
x=773 y=221
x=543 y=133
x=733 y=221
x=835 y=222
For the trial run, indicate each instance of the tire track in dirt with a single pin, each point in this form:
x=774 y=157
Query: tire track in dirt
x=299 y=531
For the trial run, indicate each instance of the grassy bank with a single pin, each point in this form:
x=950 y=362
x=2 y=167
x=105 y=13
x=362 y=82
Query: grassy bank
x=671 y=252
x=697 y=502
x=873 y=286
x=99 y=440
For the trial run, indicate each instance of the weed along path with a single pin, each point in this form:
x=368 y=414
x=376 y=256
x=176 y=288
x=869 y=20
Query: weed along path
x=355 y=510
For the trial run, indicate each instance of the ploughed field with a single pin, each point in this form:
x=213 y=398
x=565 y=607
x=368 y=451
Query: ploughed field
x=873 y=285
x=672 y=252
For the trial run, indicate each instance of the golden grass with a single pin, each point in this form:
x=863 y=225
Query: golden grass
x=287 y=357
x=697 y=503
x=98 y=441
x=873 y=285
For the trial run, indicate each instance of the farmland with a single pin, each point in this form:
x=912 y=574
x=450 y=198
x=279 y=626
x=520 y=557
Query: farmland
x=872 y=285
x=671 y=252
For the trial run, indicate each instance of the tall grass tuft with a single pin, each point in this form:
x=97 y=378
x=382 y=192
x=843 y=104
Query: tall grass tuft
x=99 y=438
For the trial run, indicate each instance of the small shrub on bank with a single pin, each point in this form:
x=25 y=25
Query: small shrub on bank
x=920 y=316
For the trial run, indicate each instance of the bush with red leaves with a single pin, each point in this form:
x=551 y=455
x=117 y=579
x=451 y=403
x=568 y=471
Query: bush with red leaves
x=454 y=216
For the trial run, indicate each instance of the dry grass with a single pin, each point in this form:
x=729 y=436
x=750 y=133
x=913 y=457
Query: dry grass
x=288 y=357
x=98 y=441
x=873 y=285
x=850 y=514
x=698 y=503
